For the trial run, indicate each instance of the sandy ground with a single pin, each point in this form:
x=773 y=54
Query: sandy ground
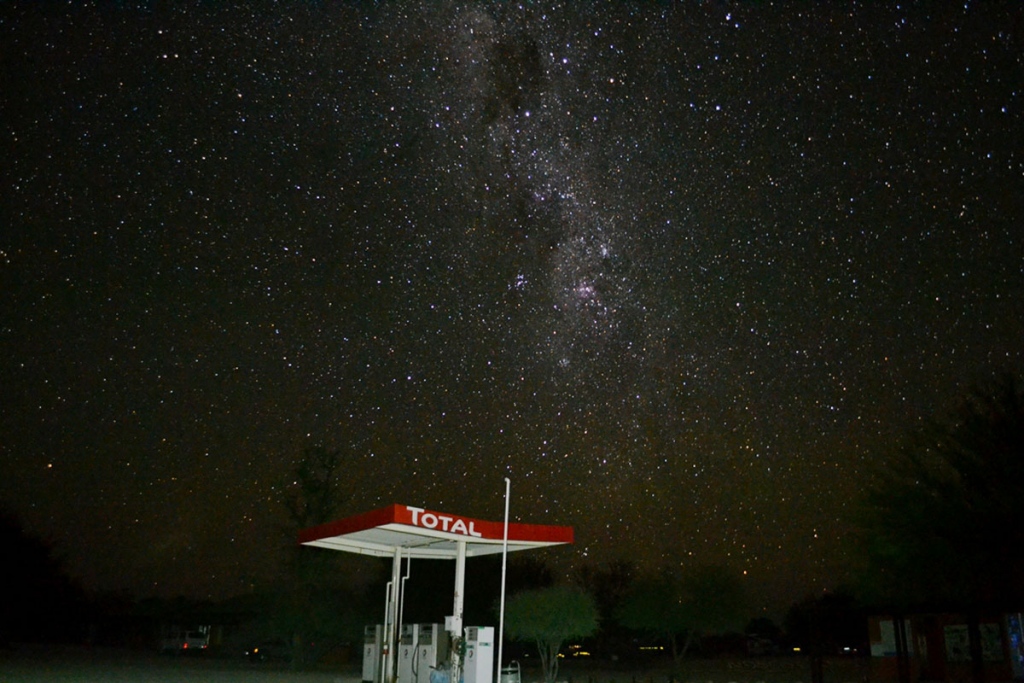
x=735 y=670
x=79 y=665
x=725 y=670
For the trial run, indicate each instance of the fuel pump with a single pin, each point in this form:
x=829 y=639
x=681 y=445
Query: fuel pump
x=479 y=663
x=431 y=651
x=407 y=653
x=372 y=636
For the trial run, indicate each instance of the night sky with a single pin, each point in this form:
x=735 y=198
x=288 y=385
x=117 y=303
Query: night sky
x=684 y=272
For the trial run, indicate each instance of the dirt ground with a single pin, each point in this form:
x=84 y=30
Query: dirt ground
x=101 y=665
x=724 y=670
x=81 y=665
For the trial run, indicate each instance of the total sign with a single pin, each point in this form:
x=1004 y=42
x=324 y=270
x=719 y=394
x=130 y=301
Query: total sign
x=449 y=523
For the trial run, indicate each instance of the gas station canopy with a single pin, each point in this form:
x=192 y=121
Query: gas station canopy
x=425 y=534
x=404 y=533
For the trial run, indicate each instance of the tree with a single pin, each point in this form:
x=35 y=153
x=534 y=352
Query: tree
x=315 y=604
x=943 y=528
x=944 y=525
x=38 y=600
x=312 y=496
x=609 y=584
x=549 y=617
x=828 y=624
x=763 y=627
x=706 y=599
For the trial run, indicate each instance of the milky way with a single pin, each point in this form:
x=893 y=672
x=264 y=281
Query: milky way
x=683 y=272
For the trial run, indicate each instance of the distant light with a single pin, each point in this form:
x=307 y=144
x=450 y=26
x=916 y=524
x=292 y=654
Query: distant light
x=796 y=649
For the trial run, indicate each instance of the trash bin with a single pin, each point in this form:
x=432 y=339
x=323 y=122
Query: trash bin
x=511 y=673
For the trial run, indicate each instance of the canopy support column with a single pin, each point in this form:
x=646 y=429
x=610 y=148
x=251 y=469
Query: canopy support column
x=391 y=626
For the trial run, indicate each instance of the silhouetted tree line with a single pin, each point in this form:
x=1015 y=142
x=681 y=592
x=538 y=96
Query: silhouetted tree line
x=40 y=603
x=38 y=600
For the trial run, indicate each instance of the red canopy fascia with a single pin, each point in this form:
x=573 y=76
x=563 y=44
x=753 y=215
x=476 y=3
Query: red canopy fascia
x=422 y=533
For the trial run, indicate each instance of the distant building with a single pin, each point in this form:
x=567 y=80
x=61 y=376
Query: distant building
x=936 y=647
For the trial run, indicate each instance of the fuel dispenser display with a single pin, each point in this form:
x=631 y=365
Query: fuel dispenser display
x=479 y=662
x=372 y=637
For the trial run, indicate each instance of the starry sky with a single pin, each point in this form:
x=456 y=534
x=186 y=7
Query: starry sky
x=683 y=272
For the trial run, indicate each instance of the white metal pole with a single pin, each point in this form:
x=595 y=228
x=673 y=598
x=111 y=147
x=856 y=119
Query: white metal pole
x=504 y=570
x=460 y=586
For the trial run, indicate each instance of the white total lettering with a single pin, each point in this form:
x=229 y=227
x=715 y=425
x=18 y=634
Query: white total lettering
x=415 y=514
x=421 y=517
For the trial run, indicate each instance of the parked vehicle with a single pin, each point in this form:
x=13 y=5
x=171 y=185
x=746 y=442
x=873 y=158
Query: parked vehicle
x=177 y=640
